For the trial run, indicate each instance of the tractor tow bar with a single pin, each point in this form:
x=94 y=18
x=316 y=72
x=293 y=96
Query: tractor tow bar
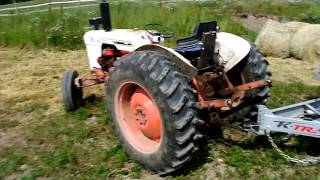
x=98 y=76
x=235 y=100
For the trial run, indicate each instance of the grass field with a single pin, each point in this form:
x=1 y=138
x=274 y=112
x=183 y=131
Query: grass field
x=39 y=139
x=63 y=29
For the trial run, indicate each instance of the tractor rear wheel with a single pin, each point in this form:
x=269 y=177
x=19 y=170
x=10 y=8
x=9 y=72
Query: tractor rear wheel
x=71 y=94
x=254 y=67
x=152 y=109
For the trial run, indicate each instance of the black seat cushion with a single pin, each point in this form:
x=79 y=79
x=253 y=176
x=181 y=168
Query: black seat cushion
x=190 y=52
x=196 y=37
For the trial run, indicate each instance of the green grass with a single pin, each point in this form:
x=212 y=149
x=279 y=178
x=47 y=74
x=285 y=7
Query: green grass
x=11 y=164
x=81 y=145
x=292 y=93
x=67 y=144
x=64 y=29
x=283 y=9
x=28 y=3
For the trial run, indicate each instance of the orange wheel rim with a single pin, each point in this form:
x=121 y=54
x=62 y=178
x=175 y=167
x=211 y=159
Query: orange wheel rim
x=138 y=117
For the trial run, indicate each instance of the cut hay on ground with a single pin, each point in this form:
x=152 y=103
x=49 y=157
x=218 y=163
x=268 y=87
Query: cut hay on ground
x=32 y=78
x=292 y=70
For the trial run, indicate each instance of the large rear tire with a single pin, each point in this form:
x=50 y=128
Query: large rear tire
x=254 y=67
x=153 y=113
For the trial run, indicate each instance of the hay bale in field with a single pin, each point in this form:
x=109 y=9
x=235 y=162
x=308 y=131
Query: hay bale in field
x=311 y=51
x=297 y=39
x=274 y=39
x=304 y=41
x=295 y=25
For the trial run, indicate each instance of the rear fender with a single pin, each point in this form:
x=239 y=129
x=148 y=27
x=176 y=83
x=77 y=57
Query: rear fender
x=187 y=68
x=232 y=49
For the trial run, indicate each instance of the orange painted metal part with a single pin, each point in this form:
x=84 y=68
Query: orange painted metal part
x=122 y=52
x=253 y=85
x=223 y=104
x=146 y=114
x=203 y=102
x=109 y=52
x=114 y=53
x=138 y=117
x=98 y=77
x=200 y=89
x=236 y=92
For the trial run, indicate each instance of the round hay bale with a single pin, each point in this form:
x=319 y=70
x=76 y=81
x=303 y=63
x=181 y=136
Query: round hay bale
x=303 y=41
x=311 y=51
x=274 y=39
x=295 y=25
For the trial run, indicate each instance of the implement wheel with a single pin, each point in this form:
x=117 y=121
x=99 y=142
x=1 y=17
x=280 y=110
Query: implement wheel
x=153 y=113
x=71 y=94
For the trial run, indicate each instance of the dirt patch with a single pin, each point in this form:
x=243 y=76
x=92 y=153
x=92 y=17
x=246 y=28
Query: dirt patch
x=11 y=138
x=255 y=22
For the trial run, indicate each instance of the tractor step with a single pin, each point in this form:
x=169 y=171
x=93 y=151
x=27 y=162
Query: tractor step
x=297 y=119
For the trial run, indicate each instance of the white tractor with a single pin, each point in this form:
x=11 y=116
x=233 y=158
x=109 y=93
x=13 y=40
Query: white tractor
x=161 y=98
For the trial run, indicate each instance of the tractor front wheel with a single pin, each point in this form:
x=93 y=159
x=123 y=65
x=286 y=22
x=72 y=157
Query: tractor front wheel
x=153 y=113
x=71 y=94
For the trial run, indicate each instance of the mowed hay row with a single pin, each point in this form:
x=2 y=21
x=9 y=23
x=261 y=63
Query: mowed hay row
x=290 y=70
x=31 y=80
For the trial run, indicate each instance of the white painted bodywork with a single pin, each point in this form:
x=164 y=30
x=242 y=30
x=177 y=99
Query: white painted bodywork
x=174 y=56
x=232 y=48
x=122 y=39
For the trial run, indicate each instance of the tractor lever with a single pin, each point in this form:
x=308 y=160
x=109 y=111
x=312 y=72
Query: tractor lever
x=208 y=55
x=105 y=18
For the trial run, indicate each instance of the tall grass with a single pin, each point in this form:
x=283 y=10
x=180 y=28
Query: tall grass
x=64 y=29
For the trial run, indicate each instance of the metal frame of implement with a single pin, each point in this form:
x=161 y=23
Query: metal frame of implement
x=297 y=119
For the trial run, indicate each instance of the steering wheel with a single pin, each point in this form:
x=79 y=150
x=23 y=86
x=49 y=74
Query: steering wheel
x=159 y=30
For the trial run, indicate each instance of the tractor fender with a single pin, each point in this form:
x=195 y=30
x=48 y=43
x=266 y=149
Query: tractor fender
x=232 y=49
x=187 y=68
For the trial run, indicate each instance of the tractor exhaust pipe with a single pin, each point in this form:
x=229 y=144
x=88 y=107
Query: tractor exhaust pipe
x=105 y=14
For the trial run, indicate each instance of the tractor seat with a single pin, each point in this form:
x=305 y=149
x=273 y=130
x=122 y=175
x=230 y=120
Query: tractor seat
x=196 y=37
